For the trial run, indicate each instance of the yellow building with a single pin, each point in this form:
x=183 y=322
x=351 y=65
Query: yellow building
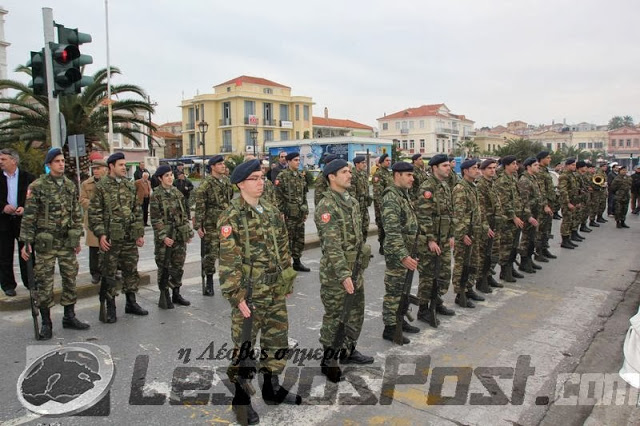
x=489 y=141
x=244 y=112
x=590 y=140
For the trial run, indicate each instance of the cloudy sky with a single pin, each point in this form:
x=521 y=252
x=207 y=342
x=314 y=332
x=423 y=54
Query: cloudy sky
x=493 y=60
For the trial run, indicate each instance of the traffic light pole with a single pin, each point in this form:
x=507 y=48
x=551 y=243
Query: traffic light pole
x=54 y=107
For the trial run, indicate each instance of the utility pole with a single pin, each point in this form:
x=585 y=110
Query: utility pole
x=54 y=107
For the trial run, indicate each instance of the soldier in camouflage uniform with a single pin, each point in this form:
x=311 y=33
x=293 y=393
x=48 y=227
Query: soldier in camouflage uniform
x=434 y=212
x=171 y=228
x=532 y=208
x=600 y=195
x=291 y=188
x=549 y=200
x=115 y=217
x=584 y=181
x=419 y=175
x=507 y=189
x=269 y=194
x=401 y=228
x=569 y=199
x=382 y=179
x=492 y=219
x=621 y=188
x=338 y=221
x=453 y=178
x=253 y=240
x=359 y=189
x=321 y=184
x=467 y=230
x=212 y=197
x=52 y=224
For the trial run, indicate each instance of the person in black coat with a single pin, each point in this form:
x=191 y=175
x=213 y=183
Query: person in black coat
x=14 y=183
x=139 y=171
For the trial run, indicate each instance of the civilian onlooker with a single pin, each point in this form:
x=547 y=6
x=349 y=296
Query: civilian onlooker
x=282 y=165
x=635 y=191
x=143 y=192
x=87 y=190
x=179 y=169
x=185 y=186
x=139 y=171
x=13 y=193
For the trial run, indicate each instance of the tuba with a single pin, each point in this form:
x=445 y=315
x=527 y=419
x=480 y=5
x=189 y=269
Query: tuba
x=599 y=180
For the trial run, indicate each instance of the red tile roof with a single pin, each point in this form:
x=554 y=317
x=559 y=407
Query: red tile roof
x=166 y=135
x=421 y=111
x=338 y=122
x=253 y=80
x=171 y=124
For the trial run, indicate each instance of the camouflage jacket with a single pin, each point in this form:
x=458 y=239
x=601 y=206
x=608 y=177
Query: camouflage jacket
x=321 y=186
x=340 y=230
x=51 y=208
x=400 y=225
x=453 y=179
x=434 y=210
x=269 y=193
x=530 y=196
x=547 y=189
x=490 y=208
x=212 y=198
x=291 y=188
x=115 y=207
x=268 y=247
x=507 y=188
x=584 y=183
x=169 y=215
x=621 y=187
x=360 y=188
x=568 y=188
x=466 y=211
x=419 y=176
x=382 y=179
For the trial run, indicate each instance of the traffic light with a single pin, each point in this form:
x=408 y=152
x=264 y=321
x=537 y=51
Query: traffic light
x=38 y=73
x=68 y=62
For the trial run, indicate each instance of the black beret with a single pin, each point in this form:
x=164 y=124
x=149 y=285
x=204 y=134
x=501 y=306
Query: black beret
x=53 y=153
x=451 y=158
x=359 y=159
x=414 y=157
x=580 y=163
x=162 y=170
x=570 y=160
x=334 y=166
x=486 y=163
x=507 y=159
x=329 y=158
x=243 y=170
x=292 y=155
x=468 y=163
x=542 y=154
x=529 y=161
x=180 y=164
x=622 y=167
x=215 y=160
x=438 y=159
x=382 y=158
x=402 y=166
x=115 y=157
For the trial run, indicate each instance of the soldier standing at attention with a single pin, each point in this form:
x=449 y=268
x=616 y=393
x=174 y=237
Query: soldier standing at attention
x=170 y=222
x=453 y=178
x=382 y=179
x=269 y=195
x=401 y=227
x=621 y=187
x=360 y=190
x=338 y=221
x=253 y=240
x=52 y=224
x=491 y=214
x=569 y=193
x=419 y=175
x=584 y=181
x=532 y=200
x=321 y=185
x=549 y=200
x=115 y=217
x=291 y=188
x=87 y=189
x=212 y=197
x=600 y=194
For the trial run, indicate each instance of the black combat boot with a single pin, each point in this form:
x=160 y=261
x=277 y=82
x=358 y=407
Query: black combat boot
x=241 y=405
x=274 y=394
x=329 y=367
x=585 y=228
x=46 y=330
x=515 y=273
x=534 y=265
x=540 y=257
x=594 y=224
x=443 y=310
x=482 y=284
x=601 y=219
x=69 y=319
x=461 y=300
x=355 y=357
x=506 y=273
x=546 y=253
x=493 y=283
x=566 y=242
x=208 y=289
x=525 y=265
x=111 y=311
x=388 y=333
x=178 y=299
x=299 y=266
x=132 y=306
x=408 y=328
x=474 y=296
x=624 y=225
x=575 y=237
x=425 y=315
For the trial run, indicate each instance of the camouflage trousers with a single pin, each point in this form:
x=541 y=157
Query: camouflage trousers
x=211 y=243
x=460 y=251
x=528 y=240
x=544 y=229
x=393 y=284
x=295 y=229
x=270 y=319
x=426 y=271
x=507 y=244
x=123 y=254
x=620 y=211
x=578 y=217
x=333 y=294
x=481 y=253
x=567 y=221
x=176 y=263
x=364 y=212
x=378 y=219
x=599 y=204
x=43 y=272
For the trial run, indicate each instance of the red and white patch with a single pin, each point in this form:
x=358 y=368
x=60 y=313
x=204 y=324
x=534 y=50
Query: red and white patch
x=326 y=217
x=277 y=182
x=428 y=194
x=225 y=231
x=376 y=178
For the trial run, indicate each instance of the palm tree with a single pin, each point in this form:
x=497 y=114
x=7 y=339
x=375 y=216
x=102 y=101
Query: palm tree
x=85 y=113
x=521 y=148
x=469 y=146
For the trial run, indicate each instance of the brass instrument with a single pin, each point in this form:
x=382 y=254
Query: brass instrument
x=599 y=180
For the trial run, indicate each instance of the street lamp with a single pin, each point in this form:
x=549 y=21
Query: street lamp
x=203 y=126
x=254 y=137
x=150 y=139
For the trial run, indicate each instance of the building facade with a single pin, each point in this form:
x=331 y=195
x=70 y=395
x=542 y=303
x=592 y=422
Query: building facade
x=325 y=127
x=624 y=145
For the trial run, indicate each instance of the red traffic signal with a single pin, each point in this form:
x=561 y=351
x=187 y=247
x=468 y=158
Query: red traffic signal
x=64 y=54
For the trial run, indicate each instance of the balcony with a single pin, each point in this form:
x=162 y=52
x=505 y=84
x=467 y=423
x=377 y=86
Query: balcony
x=469 y=133
x=404 y=131
x=191 y=126
x=455 y=131
x=443 y=130
x=226 y=148
x=266 y=122
x=224 y=122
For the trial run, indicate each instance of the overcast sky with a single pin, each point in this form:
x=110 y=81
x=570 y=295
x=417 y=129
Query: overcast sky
x=492 y=60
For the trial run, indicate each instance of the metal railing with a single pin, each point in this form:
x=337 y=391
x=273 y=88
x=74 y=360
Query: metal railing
x=225 y=122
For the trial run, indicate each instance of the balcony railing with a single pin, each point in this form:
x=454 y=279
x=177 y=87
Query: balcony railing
x=404 y=131
x=191 y=126
x=226 y=148
x=443 y=130
x=225 y=122
x=269 y=122
x=469 y=133
x=455 y=132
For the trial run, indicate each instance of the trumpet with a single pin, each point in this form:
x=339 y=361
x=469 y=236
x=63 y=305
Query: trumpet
x=599 y=180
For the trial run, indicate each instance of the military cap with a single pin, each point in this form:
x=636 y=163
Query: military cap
x=542 y=154
x=99 y=163
x=359 y=159
x=243 y=170
x=382 y=158
x=623 y=167
x=329 y=158
x=570 y=160
x=529 y=161
x=215 y=160
x=162 y=170
x=292 y=155
x=180 y=163
x=438 y=159
x=486 y=163
x=334 y=166
x=451 y=158
x=507 y=159
x=402 y=166
x=115 y=157
x=51 y=154
x=468 y=163
x=580 y=163
x=613 y=164
x=414 y=157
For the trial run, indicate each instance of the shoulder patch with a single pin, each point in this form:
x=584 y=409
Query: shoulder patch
x=427 y=194
x=376 y=178
x=326 y=217
x=277 y=182
x=225 y=231
x=29 y=193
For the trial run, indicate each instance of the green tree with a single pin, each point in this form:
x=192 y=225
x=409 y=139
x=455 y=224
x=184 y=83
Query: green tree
x=466 y=148
x=521 y=148
x=617 y=122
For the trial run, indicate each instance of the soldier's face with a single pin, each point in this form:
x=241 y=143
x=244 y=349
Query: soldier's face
x=473 y=172
x=511 y=168
x=623 y=172
x=119 y=168
x=361 y=166
x=570 y=167
x=57 y=165
x=489 y=171
x=442 y=170
x=403 y=179
x=294 y=164
x=99 y=171
x=219 y=168
x=582 y=170
x=545 y=161
x=252 y=186
x=342 y=178
x=418 y=162
x=535 y=168
x=167 y=179
x=386 y=163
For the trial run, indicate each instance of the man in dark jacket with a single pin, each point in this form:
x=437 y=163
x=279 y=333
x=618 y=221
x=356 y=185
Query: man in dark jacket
x=635 y=191
x=185 y=186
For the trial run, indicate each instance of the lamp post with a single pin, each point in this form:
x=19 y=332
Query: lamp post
x=150 y=138
x=254 y=137
x=203 y=127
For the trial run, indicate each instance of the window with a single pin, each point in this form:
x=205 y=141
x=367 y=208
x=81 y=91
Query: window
x=582 y=145
x=249 y=108
x=411 y=124
x=422 y=125
x=267 y=111
x=284 y=112
x=305 y=112
x=267 y=91
x=628 y=143
x=590 y=145
x=385 y=126
x=397 y=125
x=437 y=145
x=412 y=144
x=297 y=112
x=548 y=146
x=421 y=143
x=598 y=145
x=404 y=125
x=226 y=114
x=284 y=135
x=226 y=141
x=191 y=120
x=248 y=140
x=228 y=88
x=197 y=114
x=192 y=144
x=268 y=135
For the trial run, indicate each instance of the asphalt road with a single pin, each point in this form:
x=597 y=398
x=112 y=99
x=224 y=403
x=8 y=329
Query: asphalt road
x=516 y=344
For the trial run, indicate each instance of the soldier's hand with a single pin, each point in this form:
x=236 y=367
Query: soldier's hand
x=466 y=240
x=348 y=285
x=571 y=207
x=410 y=263
x=201 y=232
x=548 y=210
x=77 y=249
x=246 y=312
x=491 y=234
x=518 y=222
x=168 y=242
x=19 y=211
x=140 y=242
x=104 y=243
x=434 y=248
x=26 y=252
x=532 y=220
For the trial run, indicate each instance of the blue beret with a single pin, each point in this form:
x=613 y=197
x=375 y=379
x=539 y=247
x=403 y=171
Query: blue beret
x=292 y=155
x=529 y=161
x=115 y=157
x=359 y=159
x=581 y=163
x=162 y=170
x=542 y=154
x=486 y=163
x=507 y=159
x=329 y=158
x=51 y=154
x=215 y=160
x=243 y=170
x=402 y=166
x=382 y=158
x=468 y=163
x=334 y=166
x=414 y=157
x=438 y=159
x=570 y=160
